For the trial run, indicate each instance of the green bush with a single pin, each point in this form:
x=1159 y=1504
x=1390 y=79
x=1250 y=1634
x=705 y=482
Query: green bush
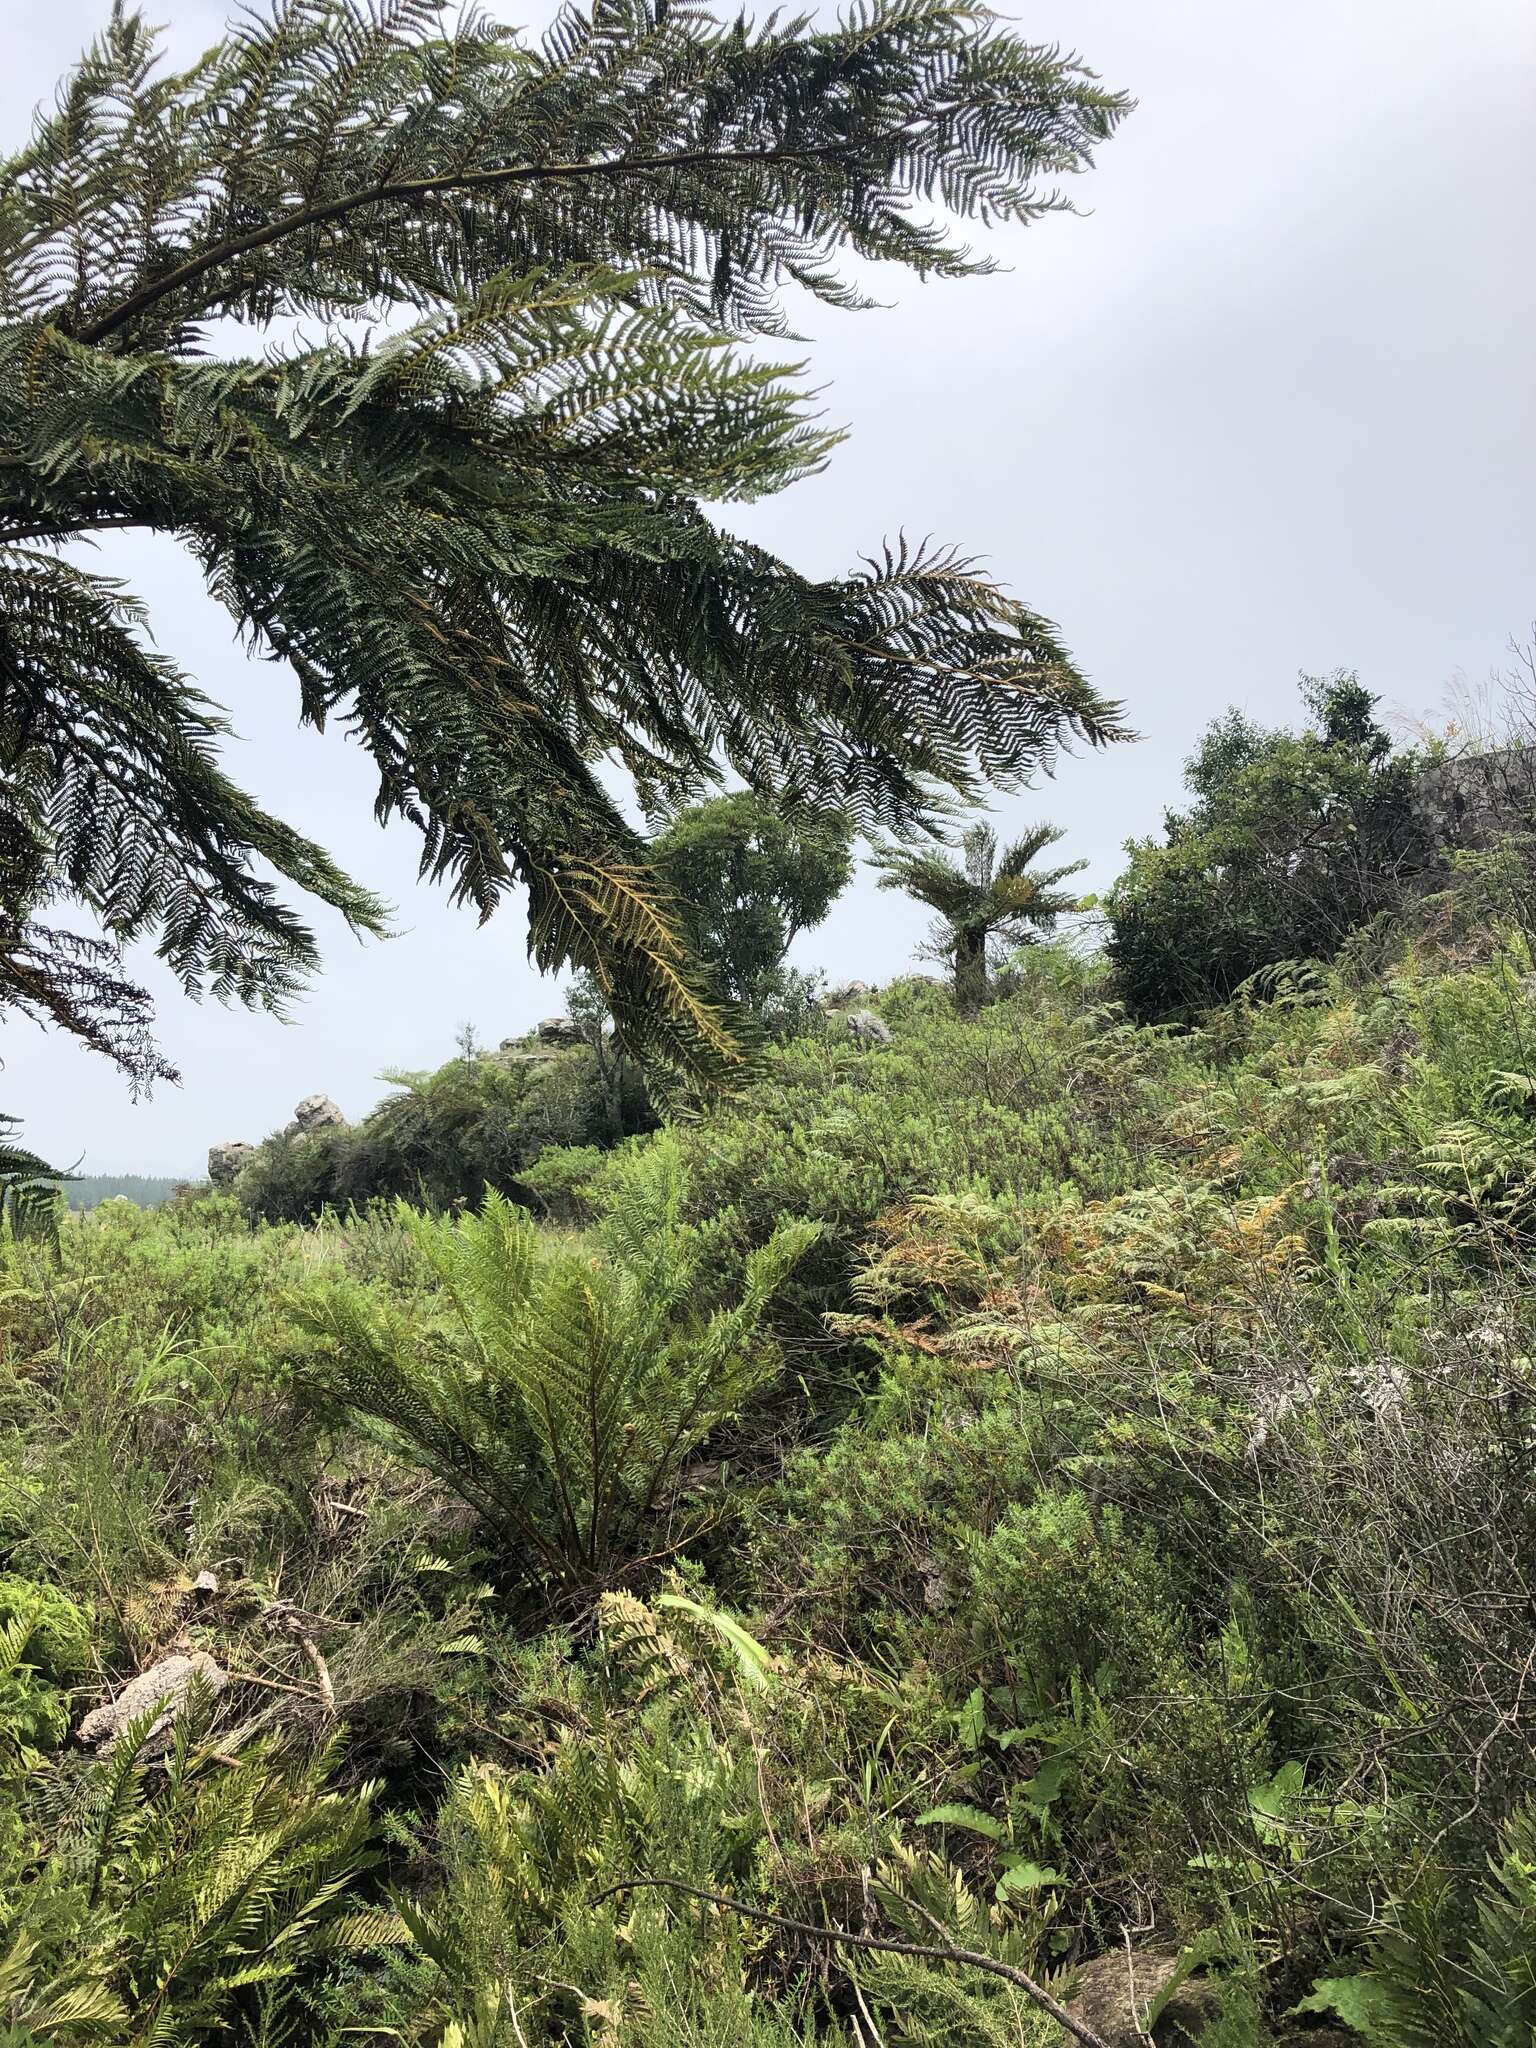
x=477 y=1122
x=1292 y=844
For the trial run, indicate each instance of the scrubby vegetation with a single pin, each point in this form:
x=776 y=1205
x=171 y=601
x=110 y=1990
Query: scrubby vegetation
x=145 y=1190
x=1051 y=1487
x=439 y=1139
x=1011 y=1523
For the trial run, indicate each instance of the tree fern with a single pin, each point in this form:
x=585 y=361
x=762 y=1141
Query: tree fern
x=29 y=1192
x=478 y=542
x=146 y=1905
x=988 y=894
x=569 y=1390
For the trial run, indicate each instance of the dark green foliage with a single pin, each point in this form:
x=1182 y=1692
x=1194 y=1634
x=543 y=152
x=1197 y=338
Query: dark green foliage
x=478 y=543
x=172 y=1906
x=446 y=1136
x=1461 y=1968
x=969 y=1108
x=988 y=896
x=1293 y=843
x=29 y=1195
x=748 y=877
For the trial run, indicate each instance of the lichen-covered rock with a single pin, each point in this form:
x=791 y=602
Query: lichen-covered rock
x=318 y=1113
x=1113 y=1993
x=557 y=1031
x=225 y=1161
x=867 y=1028
x=163 y=1685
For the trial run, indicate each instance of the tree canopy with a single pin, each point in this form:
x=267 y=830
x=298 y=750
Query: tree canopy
x=459 y=491
x=1294 y=840
x=747 y=877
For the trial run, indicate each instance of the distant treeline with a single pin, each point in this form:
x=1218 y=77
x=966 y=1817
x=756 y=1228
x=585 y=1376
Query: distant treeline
x=87 y=1190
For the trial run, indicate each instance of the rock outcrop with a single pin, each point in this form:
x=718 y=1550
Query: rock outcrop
x=1113 y=1993
x=557 y=1031
x=867 y=1028
x=225 y=1161
x=317 y=1113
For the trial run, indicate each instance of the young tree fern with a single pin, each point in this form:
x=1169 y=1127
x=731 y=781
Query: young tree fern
x=570 y=1389
x=462 y=503
x=153 y=1904
x=987 y=895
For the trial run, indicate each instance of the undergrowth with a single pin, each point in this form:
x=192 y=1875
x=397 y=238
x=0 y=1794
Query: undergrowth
x=1056 y=1481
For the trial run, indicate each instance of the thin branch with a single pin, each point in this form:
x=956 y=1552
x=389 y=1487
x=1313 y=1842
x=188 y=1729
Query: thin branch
x=1036 y=1993
x=409 y=191
x=318 y=1665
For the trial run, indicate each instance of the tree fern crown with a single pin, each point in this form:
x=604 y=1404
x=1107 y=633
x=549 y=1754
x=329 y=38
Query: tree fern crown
x=459 y=494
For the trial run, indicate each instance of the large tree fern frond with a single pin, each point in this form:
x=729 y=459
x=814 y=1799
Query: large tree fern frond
x=479 y=542
x=609 y=918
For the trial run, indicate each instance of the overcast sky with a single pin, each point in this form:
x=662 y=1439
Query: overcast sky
x=1269 y=408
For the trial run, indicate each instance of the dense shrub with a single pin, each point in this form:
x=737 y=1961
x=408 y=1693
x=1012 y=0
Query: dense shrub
x=443 y=1137
x=1123 y=1522
x=1293 y=842
x=1041 y=1094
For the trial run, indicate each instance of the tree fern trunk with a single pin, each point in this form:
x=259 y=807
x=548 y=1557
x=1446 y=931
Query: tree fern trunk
x=970 y=971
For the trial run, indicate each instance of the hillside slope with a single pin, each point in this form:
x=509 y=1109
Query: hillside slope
x=1108 y=1532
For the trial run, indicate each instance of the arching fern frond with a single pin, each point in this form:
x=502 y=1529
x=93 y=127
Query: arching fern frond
x=478 y=541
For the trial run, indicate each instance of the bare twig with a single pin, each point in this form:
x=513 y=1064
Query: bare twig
x=299 y=1692
x=887 y=1945
x=318 y=1665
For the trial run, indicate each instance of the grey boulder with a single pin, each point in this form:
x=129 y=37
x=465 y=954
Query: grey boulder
x=163 y=1686
x=318 y=1113
x=557 y=1031
x=225 y=1161
x=868 y=1029
x=1113 y=1994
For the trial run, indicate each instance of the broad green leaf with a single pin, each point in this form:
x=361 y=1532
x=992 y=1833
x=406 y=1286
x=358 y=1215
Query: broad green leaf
x=1364 y=2003
x=752 y=1660
x=1046 y=1784
x=1021 y=1875
x=1275 y=1798
x=971 y=1721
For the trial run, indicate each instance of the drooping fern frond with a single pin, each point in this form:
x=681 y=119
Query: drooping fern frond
x=478 y=541
x=29 y=1191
